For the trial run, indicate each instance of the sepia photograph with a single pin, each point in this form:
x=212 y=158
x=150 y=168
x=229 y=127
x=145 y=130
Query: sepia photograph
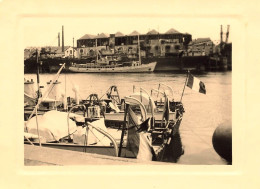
x=127 y=94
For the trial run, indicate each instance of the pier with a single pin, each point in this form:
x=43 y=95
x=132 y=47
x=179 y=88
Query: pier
x=35 y=156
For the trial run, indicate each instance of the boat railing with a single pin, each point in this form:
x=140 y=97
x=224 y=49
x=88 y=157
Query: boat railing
x=106 y=134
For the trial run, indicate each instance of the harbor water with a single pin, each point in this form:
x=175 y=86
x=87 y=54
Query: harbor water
x=203 y=113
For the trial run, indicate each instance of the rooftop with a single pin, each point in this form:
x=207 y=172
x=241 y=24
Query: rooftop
x=201 y=40
x=172 y=31
x=133 y=33
x=152 y=32
x=102 y=35
x=88 y=36
x=119 y=34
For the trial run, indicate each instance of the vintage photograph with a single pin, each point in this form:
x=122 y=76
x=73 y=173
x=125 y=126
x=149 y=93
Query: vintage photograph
x=129 y=94
x=128 y=90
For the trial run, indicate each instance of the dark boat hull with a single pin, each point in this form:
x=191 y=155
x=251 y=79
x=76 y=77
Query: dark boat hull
x=164 y=64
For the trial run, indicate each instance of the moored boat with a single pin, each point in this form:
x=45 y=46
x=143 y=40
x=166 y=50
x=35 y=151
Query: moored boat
x=110 y=64
x=132 y=67
x=139 y=138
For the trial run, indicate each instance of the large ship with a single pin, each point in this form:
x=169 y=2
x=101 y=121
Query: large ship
x=126 y=67
x=111 y=64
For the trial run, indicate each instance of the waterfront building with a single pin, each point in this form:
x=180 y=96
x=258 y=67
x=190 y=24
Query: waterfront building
x=54 y=52
x=153 y=43
x=71 y=52
x=200 y=47
x=48 y=52
x=28 y=53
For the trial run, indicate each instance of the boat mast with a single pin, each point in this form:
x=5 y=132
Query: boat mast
x=96 y=52
x=73 y=48
x=139 y=50
x=38 y=74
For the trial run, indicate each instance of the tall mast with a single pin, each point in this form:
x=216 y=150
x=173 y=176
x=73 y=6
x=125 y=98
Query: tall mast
x=139 y=50
x=73 y=48
x=159 y=46
x=38 y=73
x=96 y=52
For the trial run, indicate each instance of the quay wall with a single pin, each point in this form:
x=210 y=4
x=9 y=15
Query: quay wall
x=164 y=64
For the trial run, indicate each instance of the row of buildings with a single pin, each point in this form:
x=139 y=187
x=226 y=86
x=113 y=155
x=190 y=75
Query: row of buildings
x=153 y=43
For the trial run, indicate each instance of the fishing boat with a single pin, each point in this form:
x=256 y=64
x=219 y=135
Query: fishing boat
x=126 y=67
x=54 y=98
x=140 y=137
x=51 y=99
x=112 y=104
x=110 y=64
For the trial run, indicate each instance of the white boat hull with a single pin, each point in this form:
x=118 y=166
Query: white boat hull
x=126 y=69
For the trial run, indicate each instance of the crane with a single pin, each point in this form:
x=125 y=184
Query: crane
x=227 y=34
x=222 y=43
x=221 y=35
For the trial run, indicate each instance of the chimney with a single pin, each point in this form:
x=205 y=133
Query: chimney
x=59 y=39
x=221 y=34
x=62 y=38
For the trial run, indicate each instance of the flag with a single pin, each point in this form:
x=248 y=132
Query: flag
x=195 y=84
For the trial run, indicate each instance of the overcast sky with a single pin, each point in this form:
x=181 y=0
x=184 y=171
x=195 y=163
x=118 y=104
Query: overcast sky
x=43 y=30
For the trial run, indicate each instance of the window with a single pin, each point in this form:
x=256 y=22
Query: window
x=167 y=48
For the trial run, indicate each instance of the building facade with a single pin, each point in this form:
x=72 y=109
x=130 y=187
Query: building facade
x=153 y=43
x=71 y=52
x=200 y=47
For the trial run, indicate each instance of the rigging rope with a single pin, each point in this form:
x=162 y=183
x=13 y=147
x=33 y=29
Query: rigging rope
x=44 y=96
